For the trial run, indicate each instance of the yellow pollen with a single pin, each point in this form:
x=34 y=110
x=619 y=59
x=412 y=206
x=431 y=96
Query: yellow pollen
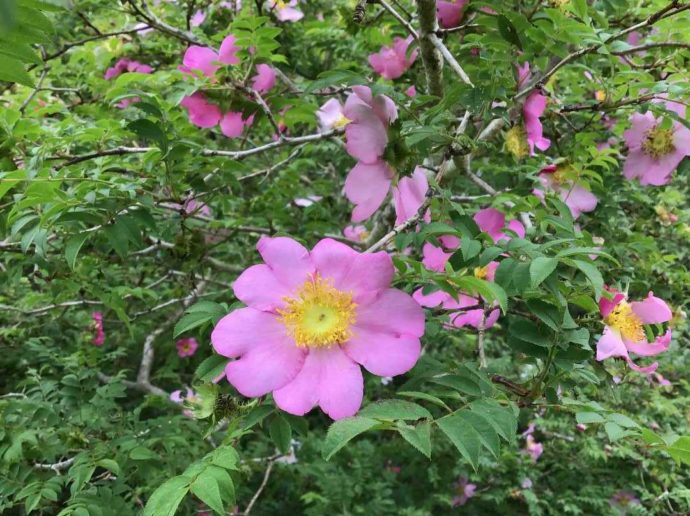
x=600 y=95
x=280 y=4
x=481 y=272
x=658 y=142
x=516 y=142
x=319 y=315
x=623 y=319
x=341 y=122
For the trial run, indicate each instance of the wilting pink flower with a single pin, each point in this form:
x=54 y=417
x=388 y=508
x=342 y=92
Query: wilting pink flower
x=186 y=347
x=311 y=319
x=368 y=182
x=409 y=195
x=189 y=397
x=285 y=10
x=232 y=124
x=660 y=379
x=465 y=491
x=493 y=222
x=205 y=60
x=411 y=91
x=99 y=337
x=450 y=13
x=622 y=500
x=392 y=62
x=624 y=331
x=356 y=233
x=331 y=116
x=126 y=65
x=533 y=448
x=533 y=109
x=524 y=74
x=201 y=112
x=265 y=79
x=575 y=196
x=193 y=207
x=655 y=151
x=197 y=18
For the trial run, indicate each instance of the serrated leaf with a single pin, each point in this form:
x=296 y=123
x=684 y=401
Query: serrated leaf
x=540 y=269
x=593 y=275
x=205 y=488
x=281 y=433
x=165 y=500
x=72 y=248
x=394 y=409
x=589 y=417
x=418 y=436
x=463 y=436
x=343 y=431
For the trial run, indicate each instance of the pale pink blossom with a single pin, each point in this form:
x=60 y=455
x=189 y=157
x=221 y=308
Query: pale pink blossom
x=285 y=10
x=465 y=490
x=574 y=195
x=411 y=91
x=493 y=222
x=331 y=116
x=197 y=18
x=392 y=62
x=265 y=79
x=532 y=110
x=624 y=331
x=533 y=448
x=312 y=318
x=207 y=61
x=186 y=347
x=356 y=233
x=654 y=150
x=126 y=65
x=409 y=195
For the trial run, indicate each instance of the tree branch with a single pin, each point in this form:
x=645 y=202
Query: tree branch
x=431 y=55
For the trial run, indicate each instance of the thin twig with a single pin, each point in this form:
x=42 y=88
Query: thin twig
x=267 y=474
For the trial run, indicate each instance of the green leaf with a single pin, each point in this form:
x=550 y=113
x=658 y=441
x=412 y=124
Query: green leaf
x=343 y=431
x=593 y=275
x=256 y=415
x=281 y=433
x=463 y=436
x=72 y=248
x=622 y=420
x=110 y=465
x=205 y=488
x=680 y=450
x=12 y=70
x=540 y=269
x=424 y=396
x=418 y=436
x=465 y=384
x=508 y=31
x=503 y=419
x=589 y=417
x=211 y=368
x=165 y=500
x=142 y=453
x=547 y=313
x=150 y=131
x=394 y=409
x=485 y=430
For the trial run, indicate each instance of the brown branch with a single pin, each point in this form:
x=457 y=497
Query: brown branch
x=431 y=55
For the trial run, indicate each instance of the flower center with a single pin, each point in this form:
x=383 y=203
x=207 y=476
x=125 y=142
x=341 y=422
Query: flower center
x=516 y=142
x=341 y=122
x=658 y=142
x=319 y=315
x=623 y=319
x=600 y=95
x=481 y=272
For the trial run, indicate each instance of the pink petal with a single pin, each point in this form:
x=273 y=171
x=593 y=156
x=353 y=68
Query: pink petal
x=437 y=298
x=644 y=370
x=435 y=258
x=409 y=195
x=579 y=200
x=450 y=13
x=649 y=349
x=652 y=310
x=198 y=18
x=265 y=79
x=366 y=136
x=330 y=378
x=232 y=125
x=394 y=312
x=640 y=126
x=533 y=109
x=606 y=306
x=329 y=114
x=366 y=186
x=236 y=333
x=611 y=345
x=491 y=221
x=201 y=59
x=259 y=288
x=228 y=51
x=383 y=354
x=364 y=274
x=201 y=112
x=289 y=14
x=288 y=260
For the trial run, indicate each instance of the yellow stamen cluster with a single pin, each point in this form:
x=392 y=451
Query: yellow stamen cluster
x=623 y=319
x=341 y=122
x=600 y=95
x=481 y=272
x=516 y=142
x=658 y=142
x=280 y=4
x=319 y=315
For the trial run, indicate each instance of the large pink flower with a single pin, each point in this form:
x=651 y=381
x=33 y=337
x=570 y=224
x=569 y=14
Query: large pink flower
x=450 y=13
x=201 y=112
x=392 y=62
x=575 y=196
x=368 y=182
x=285 y=10
x=206 y=60
x=624 y=331
x=312 y=319
x=655 y=151
x=461 y=313
x=409 y=195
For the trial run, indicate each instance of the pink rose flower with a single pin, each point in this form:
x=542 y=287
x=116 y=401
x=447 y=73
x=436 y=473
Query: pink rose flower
x=99 y=337
x=411 y=91
x=493 y=222
x=331 y=116
x=409 y=195
x=465 y=489
x=285 y=10
x=533 y=448
x=232 y=124
x=366 y=136
x=624 y=328
x=450 y=13
x=576 y=197
x=356 y=233
x=265 y=79
x=197 y=18
x=126 y=65
x=186 y=347
x=392 y=62
x=205 y=60
x=189 y=397
x=201 y=112
x=532 y=110
x=312 y=318
x=654 y=151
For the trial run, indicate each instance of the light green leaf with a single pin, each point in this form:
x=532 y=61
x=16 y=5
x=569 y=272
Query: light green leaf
x=540 y=269
x=394 y=409
x=343 y=431
x=165 y=500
